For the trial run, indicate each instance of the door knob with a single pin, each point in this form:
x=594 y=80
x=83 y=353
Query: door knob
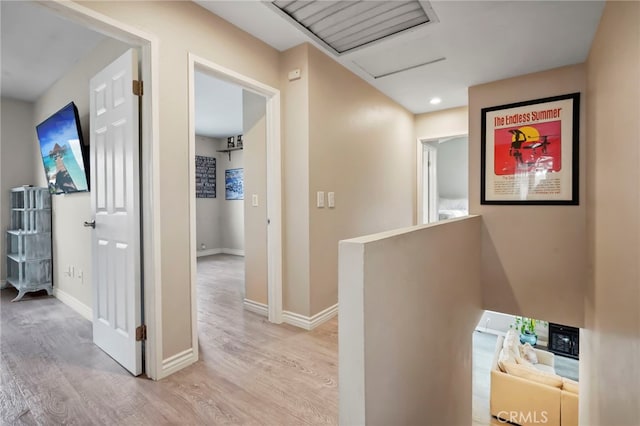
x=91 y=224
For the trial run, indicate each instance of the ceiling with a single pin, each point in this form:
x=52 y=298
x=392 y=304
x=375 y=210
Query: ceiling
x=480 y=41
x=39 y=47
x=218 y=107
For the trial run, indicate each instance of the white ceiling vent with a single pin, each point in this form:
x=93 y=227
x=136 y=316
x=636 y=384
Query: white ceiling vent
x=347 y=25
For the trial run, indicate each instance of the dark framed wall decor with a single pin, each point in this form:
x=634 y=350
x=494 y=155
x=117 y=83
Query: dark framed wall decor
x=205 y=177
x=529 y=152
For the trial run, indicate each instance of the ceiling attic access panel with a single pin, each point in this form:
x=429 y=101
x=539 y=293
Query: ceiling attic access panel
x=346 y=25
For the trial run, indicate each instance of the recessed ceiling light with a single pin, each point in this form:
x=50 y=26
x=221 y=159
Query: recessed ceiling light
x=435 y=101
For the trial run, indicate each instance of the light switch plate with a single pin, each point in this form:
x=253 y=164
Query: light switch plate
x=331 y=199
x=254 y=200
x=320 y=199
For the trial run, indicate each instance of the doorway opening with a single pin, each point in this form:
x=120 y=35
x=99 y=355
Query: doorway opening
x=221 y=179
x=72 y=263
x=244 y=217
x=443 y=178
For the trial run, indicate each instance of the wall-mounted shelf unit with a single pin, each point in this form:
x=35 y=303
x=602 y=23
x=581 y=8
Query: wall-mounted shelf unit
x=29 y=241
x=230 y=150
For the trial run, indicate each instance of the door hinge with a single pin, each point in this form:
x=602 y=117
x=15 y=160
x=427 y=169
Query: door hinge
x=141 y=333
x=137 y=88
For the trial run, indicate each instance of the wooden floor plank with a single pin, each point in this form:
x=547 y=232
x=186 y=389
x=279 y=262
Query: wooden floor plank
x=251 y=372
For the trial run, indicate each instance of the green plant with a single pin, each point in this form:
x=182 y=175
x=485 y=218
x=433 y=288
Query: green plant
x=527 y=325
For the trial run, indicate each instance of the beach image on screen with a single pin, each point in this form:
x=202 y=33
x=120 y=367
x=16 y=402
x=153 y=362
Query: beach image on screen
x=61 y=151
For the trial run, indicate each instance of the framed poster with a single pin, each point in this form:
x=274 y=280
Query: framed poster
x=529 y=152
x=234 y=184
x=205 y=177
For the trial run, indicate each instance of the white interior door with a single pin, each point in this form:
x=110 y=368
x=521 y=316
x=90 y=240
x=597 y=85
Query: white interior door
x=116 y=208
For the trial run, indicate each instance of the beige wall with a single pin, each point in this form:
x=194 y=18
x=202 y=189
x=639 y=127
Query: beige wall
x=183 y=27
x=362 y=147
x=295 y=146
x=220 y=222
x=255 y=183
x=208 y=210
x=453 y=168
x=438 y=124
x=406 y=322
x=71 y=240
x=534 y=258
x=610 y=347
x=232 y=211
x=17 y=165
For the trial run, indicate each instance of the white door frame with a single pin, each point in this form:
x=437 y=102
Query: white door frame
x=274 y=184
x=420 y=170
x=150 y=169
x=432 y=205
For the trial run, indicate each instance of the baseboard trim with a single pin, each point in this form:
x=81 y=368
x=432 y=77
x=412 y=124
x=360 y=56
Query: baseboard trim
x=309 y=323
x=178 y=362
x=487 y=330
x=3 y=284
x=235 y=252
x=73 y=303
x=211 y=252
x=208 y=252
x=256 y=307
x=490 y=331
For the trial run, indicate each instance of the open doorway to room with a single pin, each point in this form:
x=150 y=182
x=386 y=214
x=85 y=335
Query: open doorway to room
x=237 y=232
x=86 y=47
x=443 y=178
x=525 y=371
x=220 y=171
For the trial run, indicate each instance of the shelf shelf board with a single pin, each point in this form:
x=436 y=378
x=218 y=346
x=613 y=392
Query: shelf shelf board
x=16 y=258
x=230 y=150
x=23 y=258
x=21 y=232
x=14 y=281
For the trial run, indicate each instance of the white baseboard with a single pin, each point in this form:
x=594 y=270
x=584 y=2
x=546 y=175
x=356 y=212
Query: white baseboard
x=309 y=323
x=73 y=303
x=177 y=362
x=541 y=340
x=235 y=252
x=490 y=331
x=256 y=307
x=210 y=252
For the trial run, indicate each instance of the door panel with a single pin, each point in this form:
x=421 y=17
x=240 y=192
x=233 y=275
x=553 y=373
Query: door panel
x=116 y=209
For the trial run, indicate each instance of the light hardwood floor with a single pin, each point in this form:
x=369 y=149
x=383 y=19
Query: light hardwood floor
x=251 y=372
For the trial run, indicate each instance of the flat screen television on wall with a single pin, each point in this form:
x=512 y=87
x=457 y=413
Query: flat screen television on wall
x=64 y=154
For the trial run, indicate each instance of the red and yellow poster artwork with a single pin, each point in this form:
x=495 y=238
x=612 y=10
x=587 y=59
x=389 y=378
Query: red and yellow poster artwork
x=529 y=152
x=531 y=148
